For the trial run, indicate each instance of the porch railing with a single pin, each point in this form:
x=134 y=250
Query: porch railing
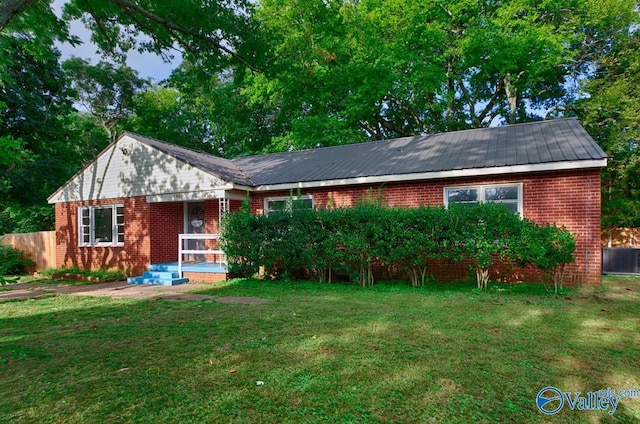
x=184 y=251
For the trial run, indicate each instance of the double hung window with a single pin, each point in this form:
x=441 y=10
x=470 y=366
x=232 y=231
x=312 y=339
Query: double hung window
x=101 y=225
x=508 y=194
x=288 y=204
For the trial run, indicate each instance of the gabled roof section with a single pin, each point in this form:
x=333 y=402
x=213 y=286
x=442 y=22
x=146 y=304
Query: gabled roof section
x=519 y=148
x=221 y=167
x=140 y=166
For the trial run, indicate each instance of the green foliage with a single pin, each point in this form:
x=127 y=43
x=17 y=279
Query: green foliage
x=413 y=238
x=547 y=247
x=611 y=114
x=343 y=72
x=12 y=261
x=354 y=241
x=483 y=232
x=101 y=274
x=35 y=114
x=105 y=90
x=212 y=33
x=166 y=114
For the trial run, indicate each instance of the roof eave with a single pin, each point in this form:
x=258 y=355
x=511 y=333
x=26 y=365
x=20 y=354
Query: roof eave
x=456 y=173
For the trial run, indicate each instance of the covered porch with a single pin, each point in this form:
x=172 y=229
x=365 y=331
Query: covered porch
x=185 y=248
x=203 y=263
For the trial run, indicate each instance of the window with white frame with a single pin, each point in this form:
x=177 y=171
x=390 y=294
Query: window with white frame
x=101 y=225
x=508 y=194
x=288 y=204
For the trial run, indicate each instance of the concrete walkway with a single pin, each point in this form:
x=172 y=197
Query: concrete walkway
x=119 y=289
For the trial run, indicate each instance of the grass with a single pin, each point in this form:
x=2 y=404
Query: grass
x=102 y=274
x=325 y=353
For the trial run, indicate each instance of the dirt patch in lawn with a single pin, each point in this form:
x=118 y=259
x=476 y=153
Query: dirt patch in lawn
x=121 y=289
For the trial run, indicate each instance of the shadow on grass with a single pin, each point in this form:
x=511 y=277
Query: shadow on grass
x=323 y=353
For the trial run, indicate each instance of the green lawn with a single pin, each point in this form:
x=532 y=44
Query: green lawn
x=325 y=353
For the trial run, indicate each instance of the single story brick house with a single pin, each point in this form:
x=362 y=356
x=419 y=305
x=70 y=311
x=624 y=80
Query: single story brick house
x=129 y=207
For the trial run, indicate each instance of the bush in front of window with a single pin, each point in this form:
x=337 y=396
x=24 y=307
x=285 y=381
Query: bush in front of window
x=547 y=247
x=351 y=241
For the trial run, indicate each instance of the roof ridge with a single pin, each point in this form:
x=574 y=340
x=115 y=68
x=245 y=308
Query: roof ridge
x=143 y=139
x=136 y=135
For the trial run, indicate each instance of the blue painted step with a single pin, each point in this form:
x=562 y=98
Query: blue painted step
x=162 y=278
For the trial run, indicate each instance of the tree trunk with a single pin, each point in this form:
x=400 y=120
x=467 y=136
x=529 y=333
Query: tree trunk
x=512 y=98
x=482 y=278
x=451 y=85
x=10 y=9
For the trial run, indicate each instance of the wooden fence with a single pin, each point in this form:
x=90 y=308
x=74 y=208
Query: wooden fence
x=621 y=237
x=39 y=247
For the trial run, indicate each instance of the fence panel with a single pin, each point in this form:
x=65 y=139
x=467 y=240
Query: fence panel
x=40 y=247
x=621 y=237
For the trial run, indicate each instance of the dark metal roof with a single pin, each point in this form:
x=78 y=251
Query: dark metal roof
x=558 y=140
x=543 y=142
x=215 y=165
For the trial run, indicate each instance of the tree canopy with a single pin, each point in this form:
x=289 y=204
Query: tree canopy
x=277 y=75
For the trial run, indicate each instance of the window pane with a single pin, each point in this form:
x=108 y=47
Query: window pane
x=302 y=204
x=120 y=215
x=511 y=205
x=276 y=205
x=85 y=217
x=501 y=193
x=120 y=223
x=462 y=195
x=103 y=225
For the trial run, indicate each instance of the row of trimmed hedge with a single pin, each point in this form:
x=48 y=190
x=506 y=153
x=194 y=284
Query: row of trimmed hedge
x=351 y=240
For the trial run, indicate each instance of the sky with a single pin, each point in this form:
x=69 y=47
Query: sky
x=148 y=65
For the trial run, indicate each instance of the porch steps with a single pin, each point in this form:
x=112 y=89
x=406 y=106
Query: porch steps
x=161 y=278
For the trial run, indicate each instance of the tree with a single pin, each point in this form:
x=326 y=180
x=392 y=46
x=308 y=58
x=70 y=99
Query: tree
x=36 y=113
x=105 y=90
x=611 y=114
x=212 y=31
x=168 y=114
x=341 y=72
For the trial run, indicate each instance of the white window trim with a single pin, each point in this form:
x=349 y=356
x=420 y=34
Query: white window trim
x=114 y=230
x=481 y=192
x=288 y=199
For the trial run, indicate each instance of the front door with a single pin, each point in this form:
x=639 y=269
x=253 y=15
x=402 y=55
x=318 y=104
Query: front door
x=194 y=224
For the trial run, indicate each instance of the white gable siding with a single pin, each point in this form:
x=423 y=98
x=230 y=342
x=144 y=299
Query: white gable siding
x=130 y=168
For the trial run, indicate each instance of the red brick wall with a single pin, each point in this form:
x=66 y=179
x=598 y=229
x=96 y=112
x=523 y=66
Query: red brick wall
x=151 y=235
x=201 y=277
x=132 y=258
x=166 y=222
x=569 y=198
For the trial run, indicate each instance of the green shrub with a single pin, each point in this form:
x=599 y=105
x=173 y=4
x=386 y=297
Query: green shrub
x=13 y=261
x=482 y=233
x=241 y=239
x=548 y=248
x=413 y=238
x=350 y=241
